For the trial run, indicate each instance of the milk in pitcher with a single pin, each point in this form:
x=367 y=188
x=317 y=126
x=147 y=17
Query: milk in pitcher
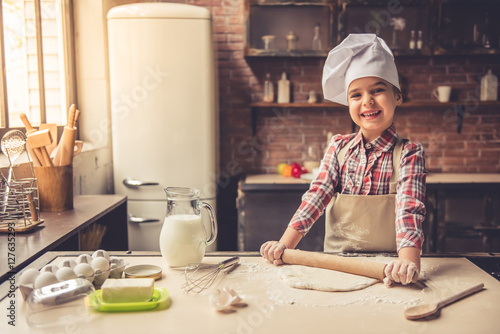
x=182 y=240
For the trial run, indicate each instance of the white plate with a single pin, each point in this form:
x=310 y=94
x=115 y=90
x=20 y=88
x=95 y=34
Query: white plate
x=143 y=271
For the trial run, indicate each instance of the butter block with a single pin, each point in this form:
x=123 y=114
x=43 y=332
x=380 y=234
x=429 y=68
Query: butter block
x=127 y=290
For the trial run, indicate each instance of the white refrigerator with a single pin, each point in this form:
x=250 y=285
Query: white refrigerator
x=164 y=109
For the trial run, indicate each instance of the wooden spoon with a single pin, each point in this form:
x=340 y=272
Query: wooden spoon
x=421 y=311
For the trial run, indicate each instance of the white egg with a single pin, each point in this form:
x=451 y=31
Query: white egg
x=51 y=268
x=84 y=269
x=70 y=263
x=65 y=273
x=100 y=263
x=44 y=279
x=84 y=258
x=29 y=276
x=101 y=253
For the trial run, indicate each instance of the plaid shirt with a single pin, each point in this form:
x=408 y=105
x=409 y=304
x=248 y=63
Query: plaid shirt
x=367 y=170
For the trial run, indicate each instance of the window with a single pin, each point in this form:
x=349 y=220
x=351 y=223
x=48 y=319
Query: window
x=36 y=54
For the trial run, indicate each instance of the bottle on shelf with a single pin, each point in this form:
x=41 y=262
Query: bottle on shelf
x=291 y=41
x=420 y=41
x=489 y=87
x=268 y=42
x=268 y=89
x=283 y=89
x=312 y=97
x=412 y=40
x=316 y=42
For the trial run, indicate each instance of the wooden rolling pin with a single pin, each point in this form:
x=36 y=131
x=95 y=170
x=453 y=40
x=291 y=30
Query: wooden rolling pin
x=351 y=265
x=65 y=151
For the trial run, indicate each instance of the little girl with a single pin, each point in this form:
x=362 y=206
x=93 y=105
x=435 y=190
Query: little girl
x=371 y=184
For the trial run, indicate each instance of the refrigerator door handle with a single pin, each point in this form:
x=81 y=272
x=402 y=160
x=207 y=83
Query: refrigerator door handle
x=132 y=183
x=134 y=219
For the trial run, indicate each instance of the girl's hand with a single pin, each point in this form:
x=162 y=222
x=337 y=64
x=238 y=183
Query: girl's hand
x=272 y=251
x=399 y=271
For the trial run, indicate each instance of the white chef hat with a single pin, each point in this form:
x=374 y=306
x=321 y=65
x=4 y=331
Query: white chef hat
x=358 y=56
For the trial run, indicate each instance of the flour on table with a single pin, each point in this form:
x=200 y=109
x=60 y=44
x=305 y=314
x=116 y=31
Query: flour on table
x=309 y=278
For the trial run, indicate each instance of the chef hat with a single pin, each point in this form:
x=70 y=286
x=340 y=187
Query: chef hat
x=358 y=56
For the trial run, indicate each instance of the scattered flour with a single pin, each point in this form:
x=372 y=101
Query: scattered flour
x=265 y=282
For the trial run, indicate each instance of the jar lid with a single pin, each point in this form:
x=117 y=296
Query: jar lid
x=143 y=271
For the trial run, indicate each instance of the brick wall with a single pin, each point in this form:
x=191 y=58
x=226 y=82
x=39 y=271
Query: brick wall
x=283 y=135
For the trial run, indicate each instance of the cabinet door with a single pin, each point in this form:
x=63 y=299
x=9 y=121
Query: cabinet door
x=264 y=216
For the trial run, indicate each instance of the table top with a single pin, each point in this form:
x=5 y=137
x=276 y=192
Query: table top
x=273 y=307
x=22 y=248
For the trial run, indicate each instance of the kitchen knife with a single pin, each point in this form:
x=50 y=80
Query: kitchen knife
x=351 y=265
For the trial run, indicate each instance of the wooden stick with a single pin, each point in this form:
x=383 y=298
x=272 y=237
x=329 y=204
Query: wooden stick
x=31 y=204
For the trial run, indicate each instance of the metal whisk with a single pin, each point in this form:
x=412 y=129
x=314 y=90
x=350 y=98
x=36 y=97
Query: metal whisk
x=200 y=276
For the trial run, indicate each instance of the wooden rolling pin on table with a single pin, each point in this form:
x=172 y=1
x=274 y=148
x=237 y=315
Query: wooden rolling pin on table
x=351 y=265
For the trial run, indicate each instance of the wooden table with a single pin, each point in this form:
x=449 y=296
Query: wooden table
x=273 y=307
x=60 y=231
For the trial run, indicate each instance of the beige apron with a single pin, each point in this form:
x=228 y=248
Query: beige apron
x=364 y=223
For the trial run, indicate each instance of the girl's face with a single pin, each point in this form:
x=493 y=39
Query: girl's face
x=372 y=102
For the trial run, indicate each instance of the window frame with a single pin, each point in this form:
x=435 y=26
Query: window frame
x=66 y=9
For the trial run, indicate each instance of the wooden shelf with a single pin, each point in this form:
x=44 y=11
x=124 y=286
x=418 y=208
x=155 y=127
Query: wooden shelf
x=252 y=52
x=457 y=106
x=336 y=105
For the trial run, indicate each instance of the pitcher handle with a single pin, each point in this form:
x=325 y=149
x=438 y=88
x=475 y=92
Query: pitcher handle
x=213 y=223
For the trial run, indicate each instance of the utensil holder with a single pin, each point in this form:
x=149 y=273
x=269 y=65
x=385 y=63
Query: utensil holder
x=55 y=187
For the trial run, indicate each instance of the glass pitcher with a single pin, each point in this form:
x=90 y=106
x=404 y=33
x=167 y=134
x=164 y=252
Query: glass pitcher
x=183 y=238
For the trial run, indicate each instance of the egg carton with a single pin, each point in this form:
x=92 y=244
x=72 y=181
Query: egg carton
x=53 y=273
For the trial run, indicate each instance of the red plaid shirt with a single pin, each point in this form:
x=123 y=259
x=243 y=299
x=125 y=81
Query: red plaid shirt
x=367 y=170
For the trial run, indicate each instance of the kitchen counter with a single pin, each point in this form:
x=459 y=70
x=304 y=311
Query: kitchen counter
x=60 y=231
x=432 y=179
x=273 y=307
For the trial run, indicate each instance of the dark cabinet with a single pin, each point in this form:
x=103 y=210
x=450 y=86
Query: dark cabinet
x=410 y=27
x=264 y=211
